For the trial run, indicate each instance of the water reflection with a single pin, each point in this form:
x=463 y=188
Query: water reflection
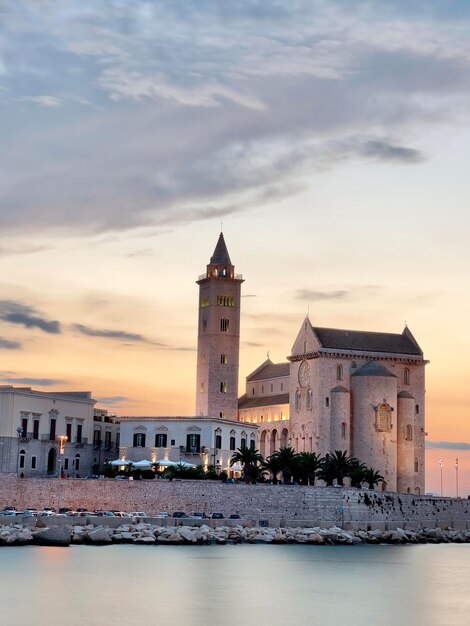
x=235 y=585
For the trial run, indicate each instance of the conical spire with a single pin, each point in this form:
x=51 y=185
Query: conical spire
x=221 y=255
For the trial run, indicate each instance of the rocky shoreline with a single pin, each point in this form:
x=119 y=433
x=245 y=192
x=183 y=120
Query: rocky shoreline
x=142 y=533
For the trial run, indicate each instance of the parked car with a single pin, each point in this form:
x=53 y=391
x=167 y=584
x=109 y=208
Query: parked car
x=234 y=516
x=9 y=508
x=218 y=516
x=199 y=515
x=64 y=509
x=138 y=514
x=179 y=514
x=162 y=514
x=9 y=512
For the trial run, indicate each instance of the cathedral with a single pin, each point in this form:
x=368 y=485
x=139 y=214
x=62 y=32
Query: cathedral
x=358 y=391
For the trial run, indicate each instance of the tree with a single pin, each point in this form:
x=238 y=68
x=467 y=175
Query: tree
x=308 y=467
x=273 y=466
x=249 y=458
x=335 y=465
x=287 y=458
x=372 y=477
x=356 y=472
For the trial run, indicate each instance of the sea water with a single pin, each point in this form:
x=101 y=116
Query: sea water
x=235 y=585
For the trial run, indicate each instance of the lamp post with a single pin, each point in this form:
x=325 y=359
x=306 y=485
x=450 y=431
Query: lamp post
x=62 y=439
x=19 y=432
x=457 y=477
x=441 y=465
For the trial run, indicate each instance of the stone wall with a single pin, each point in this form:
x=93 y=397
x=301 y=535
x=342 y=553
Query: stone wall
x=279 y=504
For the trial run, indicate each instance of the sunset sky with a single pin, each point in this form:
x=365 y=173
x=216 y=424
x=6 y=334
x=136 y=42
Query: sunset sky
x=331 y=138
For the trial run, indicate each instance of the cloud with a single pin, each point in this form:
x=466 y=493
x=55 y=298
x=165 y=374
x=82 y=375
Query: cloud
x=253 y=344
x=113 y=400
x=8 y=344
x=249 y=295
x=40 y=382
x=448 y=445
x=194 y=109
x=15 y=312
x=315 y=295
x=119 y=335
x=22 y=249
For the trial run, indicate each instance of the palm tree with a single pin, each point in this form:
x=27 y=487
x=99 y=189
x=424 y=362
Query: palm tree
x=337 y=465
x=273 y=466
x=372 y=477
x=249 y=458
x=356 y=472
x=309 y=464
x=287 y=458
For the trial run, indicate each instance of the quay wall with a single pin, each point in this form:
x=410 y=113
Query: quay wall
x=277 y=505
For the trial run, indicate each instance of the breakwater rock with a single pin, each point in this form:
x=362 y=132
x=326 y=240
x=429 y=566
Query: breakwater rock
x=141 y=533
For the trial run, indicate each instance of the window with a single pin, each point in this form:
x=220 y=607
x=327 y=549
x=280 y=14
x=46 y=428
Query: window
x=218 y=441
x=172 y=442
x=160 y=440
x=224 y=324
x=262 y=389
x=384 y=418
x=204 y=302
x=417 y=409
x=252 y=444
x=79 y=433
x=223 y=387
x=204 y=325
x=225 y=301
x=224 y=359
x=33 y=462
x=272 y=388
x=36 y=429
x=68 y=431
x=193 y=443
x=406 y=376
x=24 y=427
x=282 y=386
x=118 y=440
x=408 y=432
x=416 y=465
x=327 y=402
x=66 y=464
x=52 y=429
x=309 y=399
x=232 y=443
x=298 y=402
x=343 y=430
x=305 y=347
x=202 y=387
x=107 y=440
x=253 y=391
x=339 y=372
x=22 y=459
x=243 y=443
x=77 y=462
x=96 y=438
x=139 y=440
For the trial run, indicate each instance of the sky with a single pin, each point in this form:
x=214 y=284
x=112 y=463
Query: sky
x=330 y=139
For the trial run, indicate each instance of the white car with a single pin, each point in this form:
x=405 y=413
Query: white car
x=138 y=514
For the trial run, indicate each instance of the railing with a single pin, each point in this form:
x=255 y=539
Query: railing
x=235 y=276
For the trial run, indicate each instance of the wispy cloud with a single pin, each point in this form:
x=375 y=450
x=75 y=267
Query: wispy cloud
x=113 y=400
x=448 y=445
x=119 y=335
x=316 y=295
x=40 y=382
x=8 y=344
x=15 y=312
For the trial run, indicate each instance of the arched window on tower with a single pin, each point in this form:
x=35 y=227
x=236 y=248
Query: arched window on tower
x=339 y=372
x=297 y=401
x=309 y=399
x=408 y=432
x=406 y=376
x=416 y=465
x=343 y=430
x=223 y=387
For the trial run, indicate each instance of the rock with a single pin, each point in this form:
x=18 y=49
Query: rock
x=99 y=535
x=53 y=536
x=187 y=534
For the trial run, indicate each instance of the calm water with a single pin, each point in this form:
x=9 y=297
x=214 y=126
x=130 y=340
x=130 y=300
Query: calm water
x=235 y=585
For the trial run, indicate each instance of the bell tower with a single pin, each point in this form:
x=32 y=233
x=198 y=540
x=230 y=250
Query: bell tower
x=218 y=344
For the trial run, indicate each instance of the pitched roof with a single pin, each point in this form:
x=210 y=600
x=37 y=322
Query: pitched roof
x=373 y=369
x=269 y=370
x=221 y=254
x=365 y=341
x=405 y=394
x=246 y=402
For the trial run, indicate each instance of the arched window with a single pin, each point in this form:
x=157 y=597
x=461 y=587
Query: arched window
x=406 y=376
x=416 y=465
x=77 y=462
x=408 y=432
x=223 y=387
x=22 y=459
x=339 y=372
x=327 y=402
x=417 y=409
x=343 y=430
x=297 y=401
x=309 y=399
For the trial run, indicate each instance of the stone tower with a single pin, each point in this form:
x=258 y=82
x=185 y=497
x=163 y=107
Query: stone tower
x=218 y=343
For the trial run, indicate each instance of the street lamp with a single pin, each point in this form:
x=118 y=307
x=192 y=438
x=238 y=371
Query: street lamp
x=62 y=439
x=457 y=477
x=441 y=464
x=19 y=432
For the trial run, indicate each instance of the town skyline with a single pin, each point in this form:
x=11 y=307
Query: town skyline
x=333 y=150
